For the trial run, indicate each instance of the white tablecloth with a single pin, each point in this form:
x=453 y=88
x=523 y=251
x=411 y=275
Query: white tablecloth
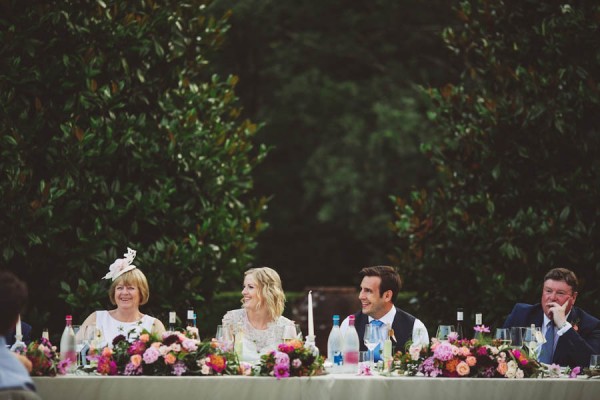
x=331 y=386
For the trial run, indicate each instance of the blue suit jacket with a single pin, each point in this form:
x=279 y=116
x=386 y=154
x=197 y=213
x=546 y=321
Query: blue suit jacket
x=574 y=347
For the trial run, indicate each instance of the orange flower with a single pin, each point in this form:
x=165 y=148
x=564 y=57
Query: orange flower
x=145 y=337
x=451 y=365
x=170 y=359
x=502 y=368
x=107 y=352
x=136 y=360
x=463 y=369
x=471 y=361
x=295 y=343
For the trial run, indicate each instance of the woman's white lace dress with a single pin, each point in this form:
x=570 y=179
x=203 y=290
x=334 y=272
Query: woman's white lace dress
x=256 y=341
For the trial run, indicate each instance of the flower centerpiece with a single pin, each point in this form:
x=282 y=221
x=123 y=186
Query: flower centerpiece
x=290 y=359
x=173 y=353
x=465 y=358
x=44 y=358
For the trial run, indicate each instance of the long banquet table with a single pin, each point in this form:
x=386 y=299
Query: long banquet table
x=332 y=386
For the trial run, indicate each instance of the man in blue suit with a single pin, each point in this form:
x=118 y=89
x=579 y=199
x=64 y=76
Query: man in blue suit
x=572 y=335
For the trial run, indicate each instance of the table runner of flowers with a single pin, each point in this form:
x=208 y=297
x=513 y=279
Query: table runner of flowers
x=179 y=353
x=476 y=358
x=176 y=353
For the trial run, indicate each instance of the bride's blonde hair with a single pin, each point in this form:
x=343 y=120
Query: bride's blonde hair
x=270 y=291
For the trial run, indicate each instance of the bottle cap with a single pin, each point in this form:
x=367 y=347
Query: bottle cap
x=69 y=317
x=336 y=317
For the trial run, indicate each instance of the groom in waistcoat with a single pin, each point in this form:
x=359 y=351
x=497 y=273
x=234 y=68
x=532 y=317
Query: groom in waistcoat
x=378 y=289
x=572 y=335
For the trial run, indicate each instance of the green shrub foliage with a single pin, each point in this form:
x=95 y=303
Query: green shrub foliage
x=115 y=133
x=518 y=162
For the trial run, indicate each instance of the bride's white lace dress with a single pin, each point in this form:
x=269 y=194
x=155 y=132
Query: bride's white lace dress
x=256 y=341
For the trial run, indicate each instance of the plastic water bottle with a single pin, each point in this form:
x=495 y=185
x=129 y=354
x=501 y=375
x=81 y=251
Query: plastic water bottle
x=351 y=347
x=68 y=350
x=334 y=345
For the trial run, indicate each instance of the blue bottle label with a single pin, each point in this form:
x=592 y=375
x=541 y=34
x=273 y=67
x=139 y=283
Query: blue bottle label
x=337 y=358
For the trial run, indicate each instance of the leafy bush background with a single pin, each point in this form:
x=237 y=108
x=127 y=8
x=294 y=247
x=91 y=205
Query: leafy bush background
x=116 y=133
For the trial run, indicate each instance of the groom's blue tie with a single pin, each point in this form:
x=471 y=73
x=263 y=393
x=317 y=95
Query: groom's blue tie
x=377 y=350
x=548 y=347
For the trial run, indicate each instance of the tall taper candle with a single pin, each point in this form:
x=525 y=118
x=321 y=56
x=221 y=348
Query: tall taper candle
x=311 y=325
x=19 y=332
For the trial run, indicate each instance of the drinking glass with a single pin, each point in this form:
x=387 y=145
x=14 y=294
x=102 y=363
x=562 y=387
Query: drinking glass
x=516 y=336
x=79 y=343
x=87 y=338
x=372 y=338
x=443 y=331
x=503 y=335
x=531 y=339
x=224 y=337
x=299 y=332
x=289 y=333
x=595 y=361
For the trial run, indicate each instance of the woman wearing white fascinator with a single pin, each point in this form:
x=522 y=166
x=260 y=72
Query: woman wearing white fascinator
x=128 y=291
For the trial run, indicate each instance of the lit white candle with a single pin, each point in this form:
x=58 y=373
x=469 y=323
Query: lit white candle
x=19 y=332
x=311 y=325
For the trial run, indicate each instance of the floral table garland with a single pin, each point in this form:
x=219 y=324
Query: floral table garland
x=477 y=358
x=176 y=353
x=179 y=353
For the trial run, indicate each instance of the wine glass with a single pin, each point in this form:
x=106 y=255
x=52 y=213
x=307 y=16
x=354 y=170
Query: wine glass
x=444 y=330
x=289 y=333
x=516 y=336
x=299 y=335
x=531 y=339
x=595 y=361
x=224 y=337
x=372 y=338
x=503 y=336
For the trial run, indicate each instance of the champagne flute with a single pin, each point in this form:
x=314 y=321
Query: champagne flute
x=443 y=331
x=299 y=332
x=371 y=340
x=503 y=335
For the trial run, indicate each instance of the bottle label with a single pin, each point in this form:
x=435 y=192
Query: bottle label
x=190 y=314
x=337 y=358
x=478 y=319
x=459 y=315
x=172 y=317
x=351 y=357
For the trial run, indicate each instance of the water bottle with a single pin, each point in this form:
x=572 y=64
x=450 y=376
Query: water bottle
x=334 y=345
x=68 y=350
x=351 y=347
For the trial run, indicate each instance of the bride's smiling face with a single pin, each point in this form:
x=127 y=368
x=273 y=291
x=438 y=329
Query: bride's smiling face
x=250 y=292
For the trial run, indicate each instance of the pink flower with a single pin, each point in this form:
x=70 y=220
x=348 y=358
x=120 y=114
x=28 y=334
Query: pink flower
x=444 y=352
x=296 y=363
x=281 y=370
x=464 y=351
x=453 y=337
x=463 y=369
x=482 y=351
x=471 y=361
x=189 y=345
x=574 y=372
x=482 y=329
x=151 y=355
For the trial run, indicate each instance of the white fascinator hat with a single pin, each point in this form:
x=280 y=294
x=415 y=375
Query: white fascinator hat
x=121 y=265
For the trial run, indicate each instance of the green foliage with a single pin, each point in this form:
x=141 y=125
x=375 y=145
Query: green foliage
x=115 y=133
x=518 y=162
x=335 y=82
